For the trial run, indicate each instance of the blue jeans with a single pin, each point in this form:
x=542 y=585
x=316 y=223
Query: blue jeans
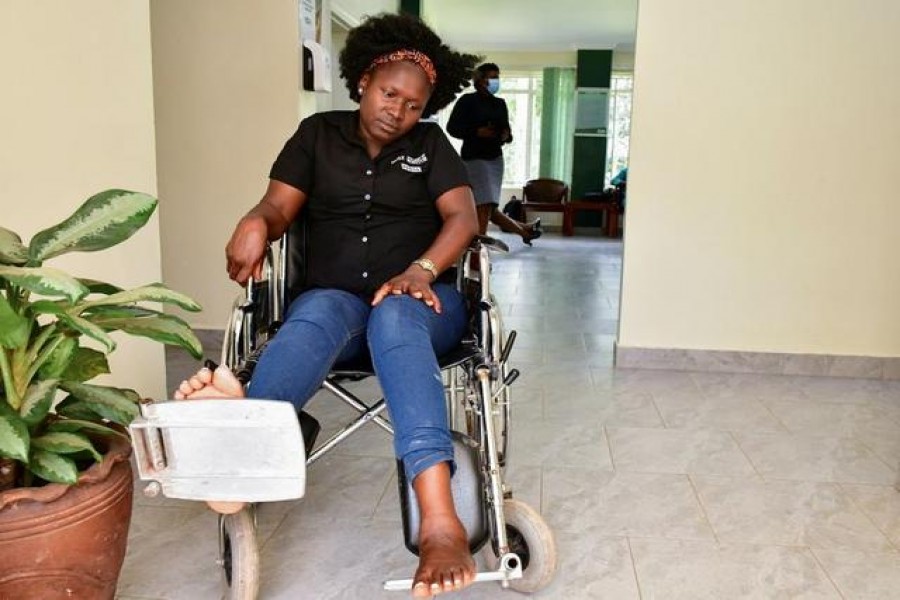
x=403 y=337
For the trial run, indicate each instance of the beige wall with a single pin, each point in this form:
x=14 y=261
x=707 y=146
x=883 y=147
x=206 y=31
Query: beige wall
x=763 y=209
x=76 y=116
x=226 y=86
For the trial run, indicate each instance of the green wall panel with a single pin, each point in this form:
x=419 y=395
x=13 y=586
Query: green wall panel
x=588 y=167
x=594 y=68
x=412 y=7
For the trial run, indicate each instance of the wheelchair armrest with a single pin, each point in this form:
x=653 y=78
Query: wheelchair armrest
x=488 y=242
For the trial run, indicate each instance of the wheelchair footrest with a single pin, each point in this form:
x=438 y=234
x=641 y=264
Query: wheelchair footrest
x=468 y=496
x=229 y=450
x=310 y=428
x=510 y=568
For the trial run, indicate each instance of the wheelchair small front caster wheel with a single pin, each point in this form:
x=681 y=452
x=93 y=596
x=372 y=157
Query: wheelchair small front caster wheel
x=532 y=540
x=240 y=555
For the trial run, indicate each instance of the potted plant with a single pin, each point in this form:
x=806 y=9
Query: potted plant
x=65 y=478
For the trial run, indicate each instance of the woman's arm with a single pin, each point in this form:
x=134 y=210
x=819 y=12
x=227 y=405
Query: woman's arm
x=267 y=221
x=457 y=209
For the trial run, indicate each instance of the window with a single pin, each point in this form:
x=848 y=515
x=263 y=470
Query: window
x=522 y=92
x=619 y=124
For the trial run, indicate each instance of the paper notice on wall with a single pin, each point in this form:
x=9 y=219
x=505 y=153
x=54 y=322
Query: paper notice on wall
x=308 y=20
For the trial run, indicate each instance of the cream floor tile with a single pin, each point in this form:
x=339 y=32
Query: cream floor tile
x=171 y=554
x=619 y=409
x=862 y=575
x=676 y=451
x=881 y=504
x=590 y=568
x=345 y=487
x=701 y=570
x=841 y=390
x=308 y=559
x=814 y=458
x=648 y=381
x=817 y=515
x=733 y=413
x=549 y=444
x=748 y=385
x=814 y=417
x=550 y=377
x=586 y=501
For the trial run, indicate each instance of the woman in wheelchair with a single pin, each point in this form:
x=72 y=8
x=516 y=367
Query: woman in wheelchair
x=388 y=210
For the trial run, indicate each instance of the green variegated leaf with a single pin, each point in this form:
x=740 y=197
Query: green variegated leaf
x=102 y=221
x=85 y=365
x=14 y=439
x=73 y=408
x=155 y=292
x=118 y=405
x=53 y=467
x=37 y=401
x=14 y=328
x=101 y=315
x=48 y=307
x=44 y=281
x=73 y=425
x=65 y=443
x=59 y=359
x=99 y=287
x=12 y=250
x=160 y=327
x=89 y=329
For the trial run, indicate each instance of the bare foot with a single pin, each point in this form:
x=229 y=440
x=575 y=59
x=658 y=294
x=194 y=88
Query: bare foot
x=220 y=383
x=206 y=384
x=445 y=563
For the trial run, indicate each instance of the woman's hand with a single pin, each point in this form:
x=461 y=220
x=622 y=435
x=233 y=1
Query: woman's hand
x=414 y=281
x=246 y=249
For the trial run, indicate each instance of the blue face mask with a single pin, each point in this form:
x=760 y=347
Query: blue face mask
x=493 y=86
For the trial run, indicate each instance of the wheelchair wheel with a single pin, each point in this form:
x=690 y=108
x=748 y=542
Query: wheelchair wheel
x=532 y=540
x=240 y=556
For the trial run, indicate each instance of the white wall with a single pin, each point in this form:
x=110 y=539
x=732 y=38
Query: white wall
x=762 y=208
x=227 y=87
x=76 y=116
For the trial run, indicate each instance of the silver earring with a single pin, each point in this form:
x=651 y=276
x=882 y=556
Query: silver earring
x=359 y=90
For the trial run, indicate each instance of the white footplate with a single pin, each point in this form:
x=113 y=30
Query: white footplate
x=510 y=568
x=228 y=450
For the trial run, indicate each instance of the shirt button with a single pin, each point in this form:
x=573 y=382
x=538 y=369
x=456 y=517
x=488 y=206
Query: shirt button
x=368 y=171
x=368 y=216
x=365 y=274
x=368 y=196
x=365 y=238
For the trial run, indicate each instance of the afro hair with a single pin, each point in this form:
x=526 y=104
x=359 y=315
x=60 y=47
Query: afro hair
x=386 y=33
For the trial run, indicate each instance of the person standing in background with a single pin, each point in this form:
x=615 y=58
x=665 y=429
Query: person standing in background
x=481 y=121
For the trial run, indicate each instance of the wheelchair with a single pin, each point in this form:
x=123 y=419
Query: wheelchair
x=521 y=553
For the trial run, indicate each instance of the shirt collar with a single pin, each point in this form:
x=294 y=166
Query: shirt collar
x=348 y=126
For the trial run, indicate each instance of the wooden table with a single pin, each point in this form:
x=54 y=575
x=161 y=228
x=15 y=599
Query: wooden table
x=607 y=207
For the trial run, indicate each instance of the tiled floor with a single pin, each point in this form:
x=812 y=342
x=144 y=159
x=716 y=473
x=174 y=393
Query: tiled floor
x=659 y=485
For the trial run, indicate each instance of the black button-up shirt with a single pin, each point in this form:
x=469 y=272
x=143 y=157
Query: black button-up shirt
x=367 y=219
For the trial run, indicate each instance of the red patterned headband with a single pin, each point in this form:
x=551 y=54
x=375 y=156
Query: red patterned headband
x=413 y=56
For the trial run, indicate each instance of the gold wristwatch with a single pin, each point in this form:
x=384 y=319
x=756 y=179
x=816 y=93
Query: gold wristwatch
x=428 y=265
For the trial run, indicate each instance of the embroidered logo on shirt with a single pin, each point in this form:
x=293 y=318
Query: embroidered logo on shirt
x=413 y=164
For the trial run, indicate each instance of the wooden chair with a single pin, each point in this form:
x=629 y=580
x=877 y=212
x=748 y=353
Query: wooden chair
x=544 y=195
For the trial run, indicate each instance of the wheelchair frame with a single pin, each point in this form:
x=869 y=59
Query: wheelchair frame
x=478 y=380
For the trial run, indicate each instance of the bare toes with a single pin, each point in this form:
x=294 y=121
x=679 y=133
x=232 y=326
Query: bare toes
x=225 y=381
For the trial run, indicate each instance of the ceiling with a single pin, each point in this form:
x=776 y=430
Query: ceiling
x=532 y=25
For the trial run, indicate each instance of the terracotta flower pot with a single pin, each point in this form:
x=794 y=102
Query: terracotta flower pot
x=61 y=541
